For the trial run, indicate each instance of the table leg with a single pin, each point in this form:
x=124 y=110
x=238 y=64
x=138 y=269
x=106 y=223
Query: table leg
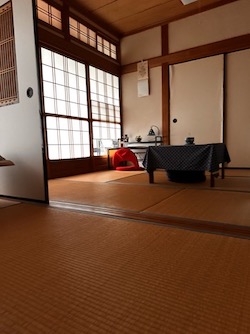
x=211 y=179
x=222 y=171
x=151 y=177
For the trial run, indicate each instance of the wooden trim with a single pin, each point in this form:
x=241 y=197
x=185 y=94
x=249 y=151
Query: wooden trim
x=204 y=226
x=224 y=115
x=207 y=50
x=165 y=88
x=164 y=40
x=65 y=20
x=44 y=134
x=64 y=168
x=90 y=120
x=225 y=99
x=165 y=104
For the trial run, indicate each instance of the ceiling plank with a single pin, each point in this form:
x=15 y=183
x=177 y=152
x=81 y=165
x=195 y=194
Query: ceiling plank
x=130 y=16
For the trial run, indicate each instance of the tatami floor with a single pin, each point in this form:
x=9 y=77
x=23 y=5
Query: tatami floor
x=108 y=256
x=228 y=203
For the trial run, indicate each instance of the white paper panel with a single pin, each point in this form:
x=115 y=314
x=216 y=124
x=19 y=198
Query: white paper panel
x=196 y=96
x=238 y=108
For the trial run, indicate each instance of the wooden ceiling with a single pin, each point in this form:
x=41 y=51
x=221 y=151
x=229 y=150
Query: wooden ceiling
x=126 y=17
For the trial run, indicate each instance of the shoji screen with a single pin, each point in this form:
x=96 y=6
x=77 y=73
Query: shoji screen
x=196 y=101
x=238 y=108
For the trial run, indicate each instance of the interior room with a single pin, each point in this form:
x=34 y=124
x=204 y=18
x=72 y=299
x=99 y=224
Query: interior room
x=88 y=246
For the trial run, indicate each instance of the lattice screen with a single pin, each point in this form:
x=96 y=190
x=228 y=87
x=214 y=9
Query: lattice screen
x=8 y=71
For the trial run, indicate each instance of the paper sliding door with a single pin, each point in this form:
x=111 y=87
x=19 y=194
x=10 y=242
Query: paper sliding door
x=196 y=101
x=21 y=138
x=238 y=108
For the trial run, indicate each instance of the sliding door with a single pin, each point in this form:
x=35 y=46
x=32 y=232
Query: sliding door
x=21 y=137
x=238 y=108
x=196 y=101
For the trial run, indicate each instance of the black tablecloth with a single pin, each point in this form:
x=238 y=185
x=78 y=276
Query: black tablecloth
x=206 y=157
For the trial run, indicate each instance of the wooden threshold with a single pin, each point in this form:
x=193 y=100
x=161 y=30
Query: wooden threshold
x=203 y=226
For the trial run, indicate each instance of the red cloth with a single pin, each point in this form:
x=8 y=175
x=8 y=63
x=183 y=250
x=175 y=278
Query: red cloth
x=125 y=155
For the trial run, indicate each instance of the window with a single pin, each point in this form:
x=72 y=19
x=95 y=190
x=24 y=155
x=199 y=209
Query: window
x=88 y=36
x=76 y=29
x=49 y=14
x=67 y=138
x=105 y=136
x=8 y=70
x=69 y=117
x=105 y=106
x=81 y=32
x=65 y=104
x=106 y=47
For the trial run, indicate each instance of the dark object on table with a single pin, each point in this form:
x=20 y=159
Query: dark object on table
x=186 y=176
x=189 y=140
x=126 y=139
x=138 y=139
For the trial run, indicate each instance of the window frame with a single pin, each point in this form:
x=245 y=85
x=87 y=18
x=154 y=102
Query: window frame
x=111 y=111
x=61 y=42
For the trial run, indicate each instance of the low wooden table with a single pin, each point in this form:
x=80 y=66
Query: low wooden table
x=207 y=157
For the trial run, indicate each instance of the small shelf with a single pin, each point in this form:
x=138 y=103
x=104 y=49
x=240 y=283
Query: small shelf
x=146 y=142
x=143 y=144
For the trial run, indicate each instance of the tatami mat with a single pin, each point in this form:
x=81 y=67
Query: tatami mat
x=71 y=273
x=230 y=182
x=227 y=203
x=5 y=203
x=126 y=196
x=103 y=176
x=238 y=172
x=209 y=205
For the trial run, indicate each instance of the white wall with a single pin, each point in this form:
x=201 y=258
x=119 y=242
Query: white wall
x=139 y=113
x=20 y=124
x=141 y=46
x=217 y=24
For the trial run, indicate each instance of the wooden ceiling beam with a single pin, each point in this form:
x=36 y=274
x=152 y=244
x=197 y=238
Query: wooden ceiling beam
x=213 y=49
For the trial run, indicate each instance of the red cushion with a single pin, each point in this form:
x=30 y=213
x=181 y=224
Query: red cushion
x=126 y=168
x=125 y=155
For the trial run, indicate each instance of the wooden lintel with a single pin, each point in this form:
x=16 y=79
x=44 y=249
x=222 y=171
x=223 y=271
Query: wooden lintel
x=208 y=50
